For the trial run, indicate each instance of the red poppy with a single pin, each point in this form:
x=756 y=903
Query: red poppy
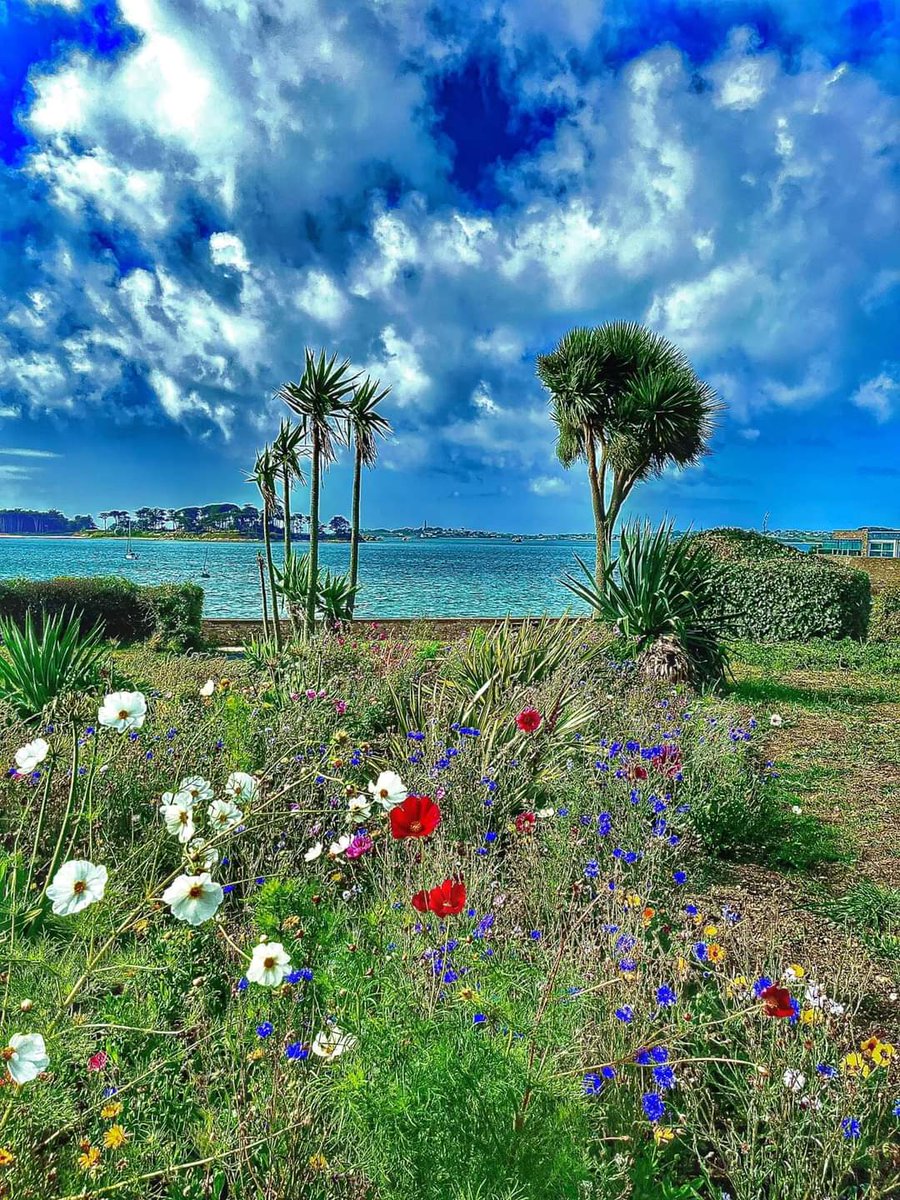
x=669 y=762
x=417 y=816
x=446 y=900
x=528 y=720
x=98 y=1061
x=525 y=822
x=777 y=1001
x=636 y=771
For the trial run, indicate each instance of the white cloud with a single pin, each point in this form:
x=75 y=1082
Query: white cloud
x=548 y=485
x=321 y=298
x=878 y=396
x=227 y=250
x=21 y=453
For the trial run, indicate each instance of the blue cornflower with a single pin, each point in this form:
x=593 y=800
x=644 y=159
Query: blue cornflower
x=627 y=964
x=593 y=1084
x=592 y=869
x=760 y=986
x=659 y=1054
x=654 y=1106
x=642 y=1058
x=680 y=877
x=625 y=942
x=896 y=1109
x=265 y=1030
x=625 y=1013
x=826 y=1070
x=604 y=824
x=416 y=735
x=296 y=1051
x=243 y=984
x=691 y=910
x=535 y=935
x=666 y=996
x=850 y=1127
x=479 y=1019
x=701 y=951
x=664 y=1077
x=490 y=836
x=302 y=973
x=228 y=887
x=608 y=1072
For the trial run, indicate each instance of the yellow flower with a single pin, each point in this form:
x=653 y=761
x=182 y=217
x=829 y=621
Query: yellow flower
x=869 y=1045
x=794 y=971
x=318 y=1162
x=111 y=1110
x=467 y=995
x=716 y=953
x=114 y=1137
x=7 y=1158
x=633 y=900
x=662 y=1135
x=810 y=1016
x=256 y=1055
x=882 y=1054
x=89 y=1159
x=739 y=986
x=710 y=931
x=682 y=967
x=855 y=1064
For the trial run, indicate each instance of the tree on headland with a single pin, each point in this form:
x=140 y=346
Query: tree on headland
x=366 y=425
x=627 y=402
x=318 y=400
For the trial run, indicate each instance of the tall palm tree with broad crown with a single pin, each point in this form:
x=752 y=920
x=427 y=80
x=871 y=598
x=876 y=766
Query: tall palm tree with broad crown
x=627 y=402
x=318 y=401
x=366 y=424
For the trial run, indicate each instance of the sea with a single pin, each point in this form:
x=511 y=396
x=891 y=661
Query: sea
x=424 y=577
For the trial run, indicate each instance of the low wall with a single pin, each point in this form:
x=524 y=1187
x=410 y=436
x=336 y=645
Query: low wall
x=225 y=631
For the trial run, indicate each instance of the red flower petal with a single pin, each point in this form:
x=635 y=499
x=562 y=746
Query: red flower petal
x=417 y=816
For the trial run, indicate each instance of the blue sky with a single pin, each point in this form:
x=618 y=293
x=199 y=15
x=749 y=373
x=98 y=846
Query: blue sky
x=191 y=190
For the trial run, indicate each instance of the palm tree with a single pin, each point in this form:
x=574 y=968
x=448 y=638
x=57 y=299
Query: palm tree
x=264 y=475
x=288 y=450
x=365 y=424
x=629 y=403
x=318 y=400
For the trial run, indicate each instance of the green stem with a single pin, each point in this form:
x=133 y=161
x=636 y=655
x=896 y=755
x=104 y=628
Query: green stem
x=267 y=538
x=354 y=524
x=313 y=534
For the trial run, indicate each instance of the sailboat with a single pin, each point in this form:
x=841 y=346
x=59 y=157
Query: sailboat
x=129 y=552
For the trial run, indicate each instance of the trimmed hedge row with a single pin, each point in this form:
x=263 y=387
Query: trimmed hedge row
x=884 y=624
x=792 y=599
x=168 y=615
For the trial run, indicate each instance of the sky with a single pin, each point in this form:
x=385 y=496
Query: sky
x=191 y=191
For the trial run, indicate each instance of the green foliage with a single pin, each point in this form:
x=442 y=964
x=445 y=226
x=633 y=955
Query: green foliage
x=884 y=622
x=515 y=654
x=795 y=599
x=177 y=612
x=822 y=654
x=39 y=665
x=743 y=545
x=662 y=586
x=170 y=614
x=333 y=596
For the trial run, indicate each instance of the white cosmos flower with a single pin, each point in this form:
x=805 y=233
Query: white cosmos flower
x=76 y=885
x=224 y=815
x=179 y=818
x=269 y=964
x=25 y=1056
x=776 y=721
x=193 y=898
x=388 y=789
x=340 y=845
x=31 y=755
x=208 y=688
x=198 y=788
x=331 y=1042
x=203 y=855
x=241 y=786
x=794 y=1080
x=313 y=852
x=358 y=809
x=123 y=711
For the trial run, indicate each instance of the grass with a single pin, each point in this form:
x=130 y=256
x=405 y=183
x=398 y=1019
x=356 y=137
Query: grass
x=589 y=1022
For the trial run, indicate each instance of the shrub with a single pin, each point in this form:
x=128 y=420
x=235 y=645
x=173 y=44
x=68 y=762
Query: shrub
x=40 y=665
x=884 y=623
x=742 y=545
x=170 y=613
x=794 y=599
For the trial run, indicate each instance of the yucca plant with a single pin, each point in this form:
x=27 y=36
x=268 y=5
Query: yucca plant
x=334 y=593
x=663 y=596
x=39 y=665
x=522 y=655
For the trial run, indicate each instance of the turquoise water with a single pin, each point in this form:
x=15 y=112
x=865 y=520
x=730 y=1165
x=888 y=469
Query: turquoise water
x=462 y=577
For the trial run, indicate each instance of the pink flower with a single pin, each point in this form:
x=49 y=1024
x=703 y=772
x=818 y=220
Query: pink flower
x=310 y=693
x=98 y=1061
x=360 y=845
x=340 y=707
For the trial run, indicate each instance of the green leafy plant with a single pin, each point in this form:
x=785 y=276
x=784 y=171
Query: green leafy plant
x=661 y=595
x=334 y=593
x=41 y=664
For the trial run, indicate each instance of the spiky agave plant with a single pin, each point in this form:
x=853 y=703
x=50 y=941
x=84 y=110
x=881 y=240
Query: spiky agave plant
x=39 y=665
x=663 y=594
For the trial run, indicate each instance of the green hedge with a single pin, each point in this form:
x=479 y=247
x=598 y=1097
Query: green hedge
x=884 y=623
x=168 y=615
x=791 y=599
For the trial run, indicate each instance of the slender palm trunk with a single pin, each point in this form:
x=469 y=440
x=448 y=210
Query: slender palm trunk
x=262 y=592
x=354 y=523
x=286 y=479
x=313 y=536
x=600 y=533
x=276 y=616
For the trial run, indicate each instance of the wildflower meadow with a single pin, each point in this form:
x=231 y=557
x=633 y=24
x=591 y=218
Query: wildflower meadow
x=362 y=918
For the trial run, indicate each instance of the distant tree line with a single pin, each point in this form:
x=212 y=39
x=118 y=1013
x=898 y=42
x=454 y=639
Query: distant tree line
x=32 y=520
x=243 y=520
